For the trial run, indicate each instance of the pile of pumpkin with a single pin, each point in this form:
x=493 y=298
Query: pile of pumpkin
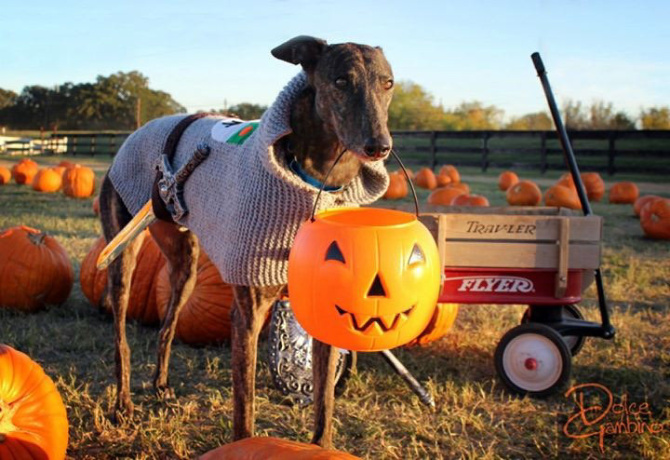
x=448 y=190
x=73 y=179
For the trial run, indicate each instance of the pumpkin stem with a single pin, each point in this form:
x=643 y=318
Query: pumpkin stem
x=6 y=415
x=37 y=238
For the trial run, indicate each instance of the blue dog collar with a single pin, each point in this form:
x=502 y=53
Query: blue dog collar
x=296 y=168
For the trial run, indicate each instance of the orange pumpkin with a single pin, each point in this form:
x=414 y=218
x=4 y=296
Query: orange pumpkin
x=47 y=180
x=33 y=420
x=5 y=175
x=470 y=200
x=410 y=173
x=594 y=185
x=655 y=219
x=205 y=317
x=444 y=195
x=641 y=201
x=524 y=193
x=442 y=180
x=397 y=187
x=624 y=193
x=452 y=172
x=142 y=302
x=506 y=179
x=562 y=196
x=462 y=186
x=364 y=279
x=35 y=270
x=425 y=178
x=66 y=164
x=78 y=182
x=441 y=322
x=566 y=180
x=275 y=449
x=24 y=171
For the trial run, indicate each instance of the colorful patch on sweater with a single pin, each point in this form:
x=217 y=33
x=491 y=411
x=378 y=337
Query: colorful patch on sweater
x=233 y=131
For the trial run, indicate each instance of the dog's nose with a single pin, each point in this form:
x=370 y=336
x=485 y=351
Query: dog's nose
x=377 y=147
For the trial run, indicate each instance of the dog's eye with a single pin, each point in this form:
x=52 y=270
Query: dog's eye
x=388 y=84
x=341 y=82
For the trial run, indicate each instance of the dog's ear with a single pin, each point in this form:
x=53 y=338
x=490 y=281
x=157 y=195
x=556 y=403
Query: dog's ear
x=303 y=50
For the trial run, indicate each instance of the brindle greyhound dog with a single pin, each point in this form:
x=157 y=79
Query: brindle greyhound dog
x=344 y=107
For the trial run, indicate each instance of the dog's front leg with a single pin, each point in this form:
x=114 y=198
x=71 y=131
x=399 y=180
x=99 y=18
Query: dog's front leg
x=250 y=309
x=324 y=365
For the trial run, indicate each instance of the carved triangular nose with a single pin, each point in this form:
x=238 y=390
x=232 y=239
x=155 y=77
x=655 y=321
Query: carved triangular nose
x=377 y=289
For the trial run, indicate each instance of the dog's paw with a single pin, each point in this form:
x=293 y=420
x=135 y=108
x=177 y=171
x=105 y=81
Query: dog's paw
x=164 y=392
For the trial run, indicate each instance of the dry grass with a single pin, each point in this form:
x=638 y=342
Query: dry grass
x=377 y=417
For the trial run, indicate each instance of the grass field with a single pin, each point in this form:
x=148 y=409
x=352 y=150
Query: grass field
x=377 y=417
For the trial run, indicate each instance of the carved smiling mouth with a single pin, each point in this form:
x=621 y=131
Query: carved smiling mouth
x=372 y=325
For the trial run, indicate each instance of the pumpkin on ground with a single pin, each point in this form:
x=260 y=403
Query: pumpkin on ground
x=78 y=181
x=205 y=317
x=397 y=186
x=562 y=196
x=33 y=420
x=524 y=193
x=470 y=200
x=425 y=178
x=443 y=319
x=35 y=270
x=142 y=302
x=66 y=164
x=452 y=172
x=273 y=448
x=594 y=185
x=624 y=193
x=24 y=171
x=641 y=201
x=443 y=179
x=47 y=180
x=655 y=219
x=506 y=179
x=389 y=264
x=566 y=180
x=5 y=175
x=444 y=195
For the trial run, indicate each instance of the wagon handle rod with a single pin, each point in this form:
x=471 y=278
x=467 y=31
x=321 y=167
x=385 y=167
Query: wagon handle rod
x=397 y=158
x=569 y=154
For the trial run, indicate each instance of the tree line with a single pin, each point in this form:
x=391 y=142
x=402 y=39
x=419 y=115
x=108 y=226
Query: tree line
x=123 y=101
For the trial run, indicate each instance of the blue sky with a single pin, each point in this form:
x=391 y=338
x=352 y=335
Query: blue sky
x=206 y=52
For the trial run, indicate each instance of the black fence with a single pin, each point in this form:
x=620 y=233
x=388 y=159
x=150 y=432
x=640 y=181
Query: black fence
x=643 y=151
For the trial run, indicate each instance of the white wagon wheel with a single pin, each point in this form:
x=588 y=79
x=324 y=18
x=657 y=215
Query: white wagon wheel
x=574 y=342
x=533 y=359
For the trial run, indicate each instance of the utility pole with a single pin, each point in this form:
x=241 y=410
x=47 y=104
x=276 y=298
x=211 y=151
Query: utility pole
x=138 y=111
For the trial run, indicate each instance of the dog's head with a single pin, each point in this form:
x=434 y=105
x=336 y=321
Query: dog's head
x=353 y=86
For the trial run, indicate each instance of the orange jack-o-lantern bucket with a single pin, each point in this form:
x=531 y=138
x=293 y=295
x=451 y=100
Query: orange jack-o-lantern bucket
x=364 y=279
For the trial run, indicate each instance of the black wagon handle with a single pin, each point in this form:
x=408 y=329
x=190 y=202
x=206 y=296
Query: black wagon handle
x=568 y=153
x=607 y=330
x=402 y=166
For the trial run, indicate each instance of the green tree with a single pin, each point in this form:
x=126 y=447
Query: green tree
x=7 y=98
x=474 y=115
x=655 y=118
x=245 y=111
x=413 y=108
x=539 y=121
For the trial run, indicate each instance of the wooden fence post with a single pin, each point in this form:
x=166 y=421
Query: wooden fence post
x=611 y=153
x=433 y=150
x=543 y=152
x=485 y=150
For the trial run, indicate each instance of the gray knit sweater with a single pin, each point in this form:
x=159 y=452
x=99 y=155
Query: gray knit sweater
x=245 y=204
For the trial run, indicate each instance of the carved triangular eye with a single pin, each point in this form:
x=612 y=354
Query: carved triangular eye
x=334 y=252
x=416 y=256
